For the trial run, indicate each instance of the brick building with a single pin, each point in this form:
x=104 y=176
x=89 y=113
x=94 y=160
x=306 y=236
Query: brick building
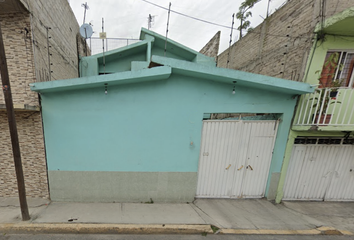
x=279 y=47
x=28 y=28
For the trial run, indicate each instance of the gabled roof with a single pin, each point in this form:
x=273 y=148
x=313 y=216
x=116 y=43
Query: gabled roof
x=158 y=41
x=157 y=67
x=339 y=24
x=173 y=47
x=225 y=75
x=173 y=66
x=138 y=55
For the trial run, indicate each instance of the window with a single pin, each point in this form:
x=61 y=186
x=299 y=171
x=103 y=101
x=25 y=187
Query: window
x=338 y=67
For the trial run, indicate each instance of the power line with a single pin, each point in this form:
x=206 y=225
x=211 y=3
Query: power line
x=216 y=24
x=185 y=15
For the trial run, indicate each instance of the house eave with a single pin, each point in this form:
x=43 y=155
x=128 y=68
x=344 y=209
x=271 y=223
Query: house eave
x=244 y=79
x=129 y=77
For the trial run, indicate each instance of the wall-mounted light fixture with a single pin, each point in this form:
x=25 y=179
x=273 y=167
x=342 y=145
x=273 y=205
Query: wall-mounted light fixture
x=233 y=90
x=105 y=88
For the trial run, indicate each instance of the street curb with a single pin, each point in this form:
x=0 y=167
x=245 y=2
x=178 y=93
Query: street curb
x=98 y=228
x=104 y=228
x=316 y=231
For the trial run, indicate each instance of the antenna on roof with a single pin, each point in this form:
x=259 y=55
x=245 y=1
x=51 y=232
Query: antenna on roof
x=86 y=32
x=84 y=5
x=168 y=20
x=150 y=21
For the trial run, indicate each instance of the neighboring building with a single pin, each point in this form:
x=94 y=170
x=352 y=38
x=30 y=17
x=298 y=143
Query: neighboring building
x=28 y=27
x=280 y=46
x=321 y=163
x=211 y=49
x=136 y=127
x=310 y=41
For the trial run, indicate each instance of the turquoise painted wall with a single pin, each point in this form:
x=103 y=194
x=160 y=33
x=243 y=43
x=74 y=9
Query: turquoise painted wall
x=146 y=127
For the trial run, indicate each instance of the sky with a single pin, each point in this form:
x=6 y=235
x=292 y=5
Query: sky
x=125 y=18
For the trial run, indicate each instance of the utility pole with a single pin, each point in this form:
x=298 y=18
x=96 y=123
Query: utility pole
x=13 y=130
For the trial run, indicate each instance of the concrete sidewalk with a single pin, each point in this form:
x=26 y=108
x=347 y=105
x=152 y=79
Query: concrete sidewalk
x=257 y=216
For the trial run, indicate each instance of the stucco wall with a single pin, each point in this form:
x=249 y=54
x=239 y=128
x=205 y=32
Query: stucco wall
x=279 y=47
x=152 y=128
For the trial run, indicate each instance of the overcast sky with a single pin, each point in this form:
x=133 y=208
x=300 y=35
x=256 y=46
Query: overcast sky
x=124 y=18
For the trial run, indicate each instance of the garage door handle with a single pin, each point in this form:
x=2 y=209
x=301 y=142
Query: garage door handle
x=240 y=168
x=249 y=166
x=228 y=167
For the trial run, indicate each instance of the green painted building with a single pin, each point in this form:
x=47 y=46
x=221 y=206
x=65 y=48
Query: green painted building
x=319 y=162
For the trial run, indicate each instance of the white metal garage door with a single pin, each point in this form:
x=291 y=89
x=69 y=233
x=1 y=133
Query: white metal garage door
x=235 y=158
x=321 y=169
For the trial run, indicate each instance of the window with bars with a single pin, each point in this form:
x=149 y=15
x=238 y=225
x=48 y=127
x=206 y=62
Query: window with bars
x=338 y=67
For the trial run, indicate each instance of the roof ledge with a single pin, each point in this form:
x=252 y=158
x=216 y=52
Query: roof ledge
x=339 y=24
x=230 y=76
x=129 y=77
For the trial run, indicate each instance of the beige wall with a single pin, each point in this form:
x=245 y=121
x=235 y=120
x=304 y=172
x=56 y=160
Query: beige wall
x=29 y=128
x=19 y=57
x=25 y=40
x=279 y=47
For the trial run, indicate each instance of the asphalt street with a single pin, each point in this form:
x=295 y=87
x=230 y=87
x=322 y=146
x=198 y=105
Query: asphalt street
x=163 y=237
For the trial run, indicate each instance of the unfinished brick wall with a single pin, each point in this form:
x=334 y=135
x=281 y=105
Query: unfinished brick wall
x=63 y=30
x=211 y=49
x=279 y=47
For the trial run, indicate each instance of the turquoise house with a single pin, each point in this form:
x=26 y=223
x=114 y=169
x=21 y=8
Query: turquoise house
x=143 y=124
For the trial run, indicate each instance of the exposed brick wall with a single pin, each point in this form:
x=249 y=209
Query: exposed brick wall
x=211 y=49
x=32 y=153
x=279 y=47
x=58 y=16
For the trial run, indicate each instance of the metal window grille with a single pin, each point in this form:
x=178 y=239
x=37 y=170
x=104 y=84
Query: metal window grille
x=324 y=140
x=344 y=70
